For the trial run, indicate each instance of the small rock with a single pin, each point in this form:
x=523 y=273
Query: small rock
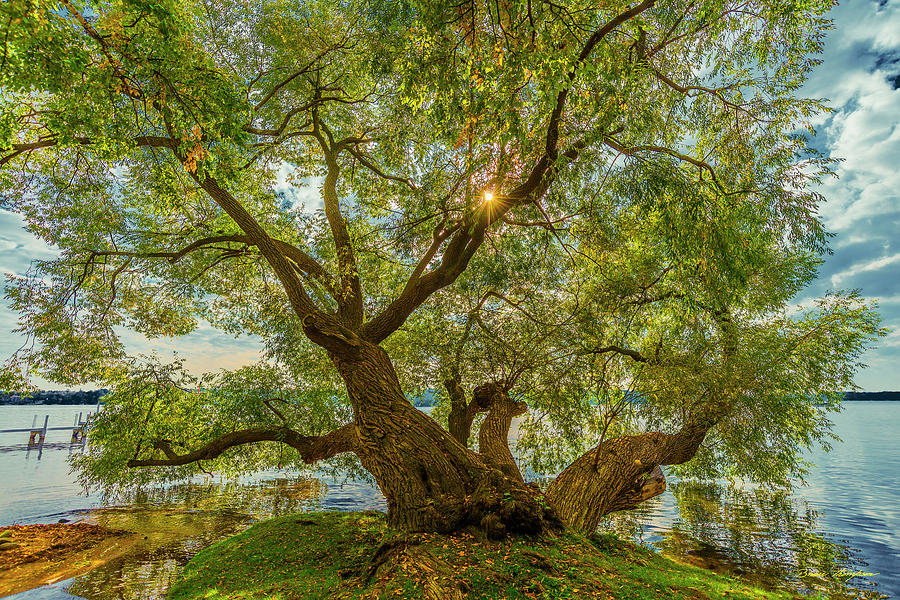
x=63 y=521
x=9 y=546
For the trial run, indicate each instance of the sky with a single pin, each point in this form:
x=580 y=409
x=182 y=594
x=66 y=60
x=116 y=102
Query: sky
x=860 y=75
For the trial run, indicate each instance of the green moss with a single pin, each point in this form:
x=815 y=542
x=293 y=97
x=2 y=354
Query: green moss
x=330 y=555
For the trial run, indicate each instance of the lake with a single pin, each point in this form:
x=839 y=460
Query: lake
x=843 y=528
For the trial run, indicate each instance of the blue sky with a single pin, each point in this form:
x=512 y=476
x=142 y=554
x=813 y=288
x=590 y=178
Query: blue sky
x=860 y=75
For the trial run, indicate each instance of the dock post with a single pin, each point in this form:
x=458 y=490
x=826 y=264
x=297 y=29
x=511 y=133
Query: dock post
x=38 y=436
x=43 y=437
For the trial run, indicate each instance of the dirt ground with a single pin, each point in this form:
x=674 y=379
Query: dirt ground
x=50 y=553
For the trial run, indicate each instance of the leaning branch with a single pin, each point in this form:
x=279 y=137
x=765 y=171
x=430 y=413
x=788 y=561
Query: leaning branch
x=311 y=448
x=151 y=141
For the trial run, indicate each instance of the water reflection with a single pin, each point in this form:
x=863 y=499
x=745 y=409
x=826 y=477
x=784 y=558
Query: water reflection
x=172 y=538
x=752 y=533
x=771 y=538
x=260 y=497
x=173 y=524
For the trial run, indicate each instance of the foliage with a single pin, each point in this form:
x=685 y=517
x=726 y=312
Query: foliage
x=189 y=412
x=654 y=213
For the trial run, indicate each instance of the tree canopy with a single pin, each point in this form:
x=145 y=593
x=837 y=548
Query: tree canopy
x=598 y=212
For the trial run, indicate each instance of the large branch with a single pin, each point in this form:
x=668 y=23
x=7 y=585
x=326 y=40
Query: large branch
x=468 y=235
x=320 y=327
x=619 y=473
x=311 y=448
x=350 y=303
x=151 y=141
x=462 y=414
x=493 y=435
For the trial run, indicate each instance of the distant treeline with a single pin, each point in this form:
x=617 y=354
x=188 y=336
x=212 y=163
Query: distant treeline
x=52 y=397
x=424 y=398
x=870 y=396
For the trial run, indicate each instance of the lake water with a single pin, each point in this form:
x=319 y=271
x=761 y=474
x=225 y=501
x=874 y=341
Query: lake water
x=844 y=526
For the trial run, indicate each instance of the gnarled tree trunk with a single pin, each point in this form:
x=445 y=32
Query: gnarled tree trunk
x=493 y=436
x=430 y=480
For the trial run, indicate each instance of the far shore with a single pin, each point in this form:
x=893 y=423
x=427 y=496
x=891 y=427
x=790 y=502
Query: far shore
x=91 y=397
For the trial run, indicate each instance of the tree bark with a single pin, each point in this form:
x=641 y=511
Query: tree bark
x=463 y=413
x=493 y=436
x=619 y=474
x=430 y=480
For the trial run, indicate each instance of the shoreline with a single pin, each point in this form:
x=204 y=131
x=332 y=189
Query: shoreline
x=80 y=547
x=42 y=554
x=327 y=555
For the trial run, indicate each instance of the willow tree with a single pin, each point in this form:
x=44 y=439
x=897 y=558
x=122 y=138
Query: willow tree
x=154 y=144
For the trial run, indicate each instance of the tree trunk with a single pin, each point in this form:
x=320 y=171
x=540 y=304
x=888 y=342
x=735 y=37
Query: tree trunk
x=462 y=414
x=430 y=480
x=493 y=437
x=619 y=474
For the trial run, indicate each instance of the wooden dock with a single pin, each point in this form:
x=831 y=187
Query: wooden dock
x=38 y=435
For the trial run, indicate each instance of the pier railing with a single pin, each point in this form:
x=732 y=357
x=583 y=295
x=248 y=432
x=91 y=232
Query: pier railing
x=38 y=435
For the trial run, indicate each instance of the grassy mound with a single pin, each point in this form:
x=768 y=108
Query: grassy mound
x=355 y=555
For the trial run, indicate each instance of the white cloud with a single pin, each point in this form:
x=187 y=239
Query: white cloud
x=865 y=130
x=874 y=265
x=892 y=340
x=298 y=191
x=861 y=61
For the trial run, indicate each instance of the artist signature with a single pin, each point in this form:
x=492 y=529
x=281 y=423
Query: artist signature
x=842 y=573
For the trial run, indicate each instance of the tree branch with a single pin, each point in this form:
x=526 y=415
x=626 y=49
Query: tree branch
x=619 y=350
x=127 y=88
x=174 y=256
x=373 y=168
x=630 y=150
x=470 y=232
x=141 y=140
x=311 y=448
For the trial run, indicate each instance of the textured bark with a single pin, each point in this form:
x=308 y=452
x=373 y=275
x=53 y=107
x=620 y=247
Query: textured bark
x=643 y=488
x=430 y=480
x=493 y=436
x=457 y=422
x=463 y=413
x=619 y=474
x=312 y=448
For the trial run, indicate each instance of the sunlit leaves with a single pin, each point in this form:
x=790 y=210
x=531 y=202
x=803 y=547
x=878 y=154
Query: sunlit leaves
x=677 y=222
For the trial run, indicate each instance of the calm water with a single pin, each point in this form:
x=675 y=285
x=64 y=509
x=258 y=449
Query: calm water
x=843 y=526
